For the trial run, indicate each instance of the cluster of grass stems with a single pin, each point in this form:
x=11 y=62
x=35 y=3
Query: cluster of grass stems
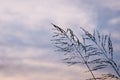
x=95 y=51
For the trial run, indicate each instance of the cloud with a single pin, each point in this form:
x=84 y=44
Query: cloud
x=28 y=23
x=34 y=63
x=114 y=6
x=26 y=51
x=38 y=13
x=23 y=21
x=114 y=21
x=105 y=4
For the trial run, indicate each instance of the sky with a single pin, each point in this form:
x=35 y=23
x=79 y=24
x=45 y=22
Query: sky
x=26 y=52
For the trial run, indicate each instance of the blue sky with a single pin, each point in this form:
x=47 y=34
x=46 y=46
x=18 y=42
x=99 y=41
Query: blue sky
x=26 y=30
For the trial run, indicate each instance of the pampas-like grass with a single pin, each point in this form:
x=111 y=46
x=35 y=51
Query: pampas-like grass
x=95 y=51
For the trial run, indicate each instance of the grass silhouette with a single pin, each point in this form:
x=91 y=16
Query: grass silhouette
x=95 y=51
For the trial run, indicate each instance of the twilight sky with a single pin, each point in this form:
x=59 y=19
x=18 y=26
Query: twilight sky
x=26 y=52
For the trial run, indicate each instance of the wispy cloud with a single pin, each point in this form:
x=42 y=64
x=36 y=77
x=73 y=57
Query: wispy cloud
x=25 y=30
x=114 y=21
x=31 y=63
x=38 y=13
x=23 y=21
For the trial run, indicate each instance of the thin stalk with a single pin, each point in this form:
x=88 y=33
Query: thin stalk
x=115 y=68
x=86 y=64
x=82 y=58
x=111 y=61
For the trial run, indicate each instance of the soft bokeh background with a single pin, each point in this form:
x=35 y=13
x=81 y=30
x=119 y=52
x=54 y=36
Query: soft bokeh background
x=26 y=52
